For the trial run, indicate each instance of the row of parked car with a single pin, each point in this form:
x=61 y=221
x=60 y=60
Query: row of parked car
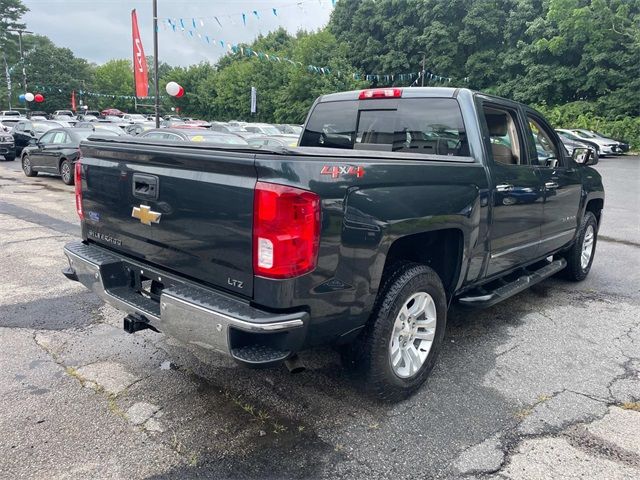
x=50 y=143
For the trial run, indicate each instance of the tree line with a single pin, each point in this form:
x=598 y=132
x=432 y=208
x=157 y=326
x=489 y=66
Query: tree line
x=578 y=60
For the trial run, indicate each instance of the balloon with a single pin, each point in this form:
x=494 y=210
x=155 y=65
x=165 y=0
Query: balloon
x=180 y=93
x=29 y=97
x=21 y=98
x=173 y=88
x=39 y=98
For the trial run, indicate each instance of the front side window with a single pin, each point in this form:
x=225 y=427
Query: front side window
x=416 y=125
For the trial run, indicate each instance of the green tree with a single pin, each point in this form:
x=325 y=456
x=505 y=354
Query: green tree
x=11 y=11
x=113 y=79
x=54 y=72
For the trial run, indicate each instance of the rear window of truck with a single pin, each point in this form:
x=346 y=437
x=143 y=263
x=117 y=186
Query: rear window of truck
x=412 y=125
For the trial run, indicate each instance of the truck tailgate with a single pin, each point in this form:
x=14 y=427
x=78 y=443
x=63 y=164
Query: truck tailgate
x=183 y=208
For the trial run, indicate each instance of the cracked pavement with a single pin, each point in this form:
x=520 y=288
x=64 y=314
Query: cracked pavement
x=544 y=385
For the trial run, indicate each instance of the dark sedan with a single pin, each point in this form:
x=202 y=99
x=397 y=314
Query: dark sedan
x=26 y=132
x=7 y=147
x=199 y=135
x=56 y=152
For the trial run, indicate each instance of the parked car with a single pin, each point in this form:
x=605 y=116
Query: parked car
x=134 y=118
x=7 y=146
x=138 y=128
x=567 y=134
x=94 y=113
x=101 y=127
x=10 y=113
x=86 y=117
x=362 y=237
x=9 y=122
x=192 y=135
x=56 y=152
x=26 y=132
x=67 y=113
x=621 y=146
x=571 y=144
x=69 y=120
x=607 y=146
x=111 y=111
x=273 y=141
x=289 y=129
x=37 y=113
x=170 y=123
x=262 y=129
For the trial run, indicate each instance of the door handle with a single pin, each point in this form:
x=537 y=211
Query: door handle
x=504 y=187
x=145 y=186
x=551 y=185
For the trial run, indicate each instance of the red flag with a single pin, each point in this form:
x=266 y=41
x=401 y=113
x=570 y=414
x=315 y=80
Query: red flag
x=73 y=100
x=139 y=60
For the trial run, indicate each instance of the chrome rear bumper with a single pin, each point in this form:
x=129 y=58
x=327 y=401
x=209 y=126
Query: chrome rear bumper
x=188 y=312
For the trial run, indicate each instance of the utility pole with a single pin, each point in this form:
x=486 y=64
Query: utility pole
x=156 y=102
x=422 y=71
x=24 y=72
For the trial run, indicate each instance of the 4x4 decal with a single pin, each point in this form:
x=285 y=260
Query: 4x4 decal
x=339 y=170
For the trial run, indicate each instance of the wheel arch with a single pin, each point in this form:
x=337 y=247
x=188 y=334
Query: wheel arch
x=441 y=249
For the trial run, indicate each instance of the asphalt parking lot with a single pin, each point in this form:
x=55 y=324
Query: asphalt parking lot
x=544 y=385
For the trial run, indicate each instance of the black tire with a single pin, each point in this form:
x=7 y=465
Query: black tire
x=66 y=172
x=575 y=270
x=27 y=168
x=370 y=353
x=10 y=158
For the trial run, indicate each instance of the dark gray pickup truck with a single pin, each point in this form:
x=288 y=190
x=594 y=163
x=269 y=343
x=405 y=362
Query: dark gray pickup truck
x=397 y=203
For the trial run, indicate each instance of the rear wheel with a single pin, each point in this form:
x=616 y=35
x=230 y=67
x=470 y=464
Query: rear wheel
x=399 y=346
x=580 y=256
x=66 y=172
x=26 y=166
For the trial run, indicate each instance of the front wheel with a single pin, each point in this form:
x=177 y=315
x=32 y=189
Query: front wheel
x=580 y=256
x=27 y=168
x=66 y=172
x=399 y=346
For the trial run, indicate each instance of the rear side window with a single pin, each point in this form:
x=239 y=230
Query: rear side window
x=417 y=125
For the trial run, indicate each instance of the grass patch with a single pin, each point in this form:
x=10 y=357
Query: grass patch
x=631 y=406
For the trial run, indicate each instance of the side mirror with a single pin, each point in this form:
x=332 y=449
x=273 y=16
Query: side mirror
x=585 y=156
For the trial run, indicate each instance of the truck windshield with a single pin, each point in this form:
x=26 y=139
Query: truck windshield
x=411 y=125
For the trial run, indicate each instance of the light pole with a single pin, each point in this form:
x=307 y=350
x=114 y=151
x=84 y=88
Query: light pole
x=24 y=72
x=422 y=71
x=156 y=102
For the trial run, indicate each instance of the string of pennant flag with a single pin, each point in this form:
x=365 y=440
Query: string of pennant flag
x=243 y=17
x=65 y=90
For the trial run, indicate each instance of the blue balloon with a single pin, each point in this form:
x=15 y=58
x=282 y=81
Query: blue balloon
x=21 y=98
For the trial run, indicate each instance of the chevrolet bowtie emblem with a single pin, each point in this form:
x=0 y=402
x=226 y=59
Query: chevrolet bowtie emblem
x=145 y=215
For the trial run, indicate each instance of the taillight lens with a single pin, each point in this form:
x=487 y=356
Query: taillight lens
x=78 y=184
x=380 y=93
x=286 y=231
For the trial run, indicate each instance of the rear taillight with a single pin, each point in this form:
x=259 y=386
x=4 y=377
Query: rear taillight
x=78 y=184
x=380 y=93
x=286 y=231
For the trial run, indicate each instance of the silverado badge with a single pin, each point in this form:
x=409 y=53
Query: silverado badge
x=145 y=215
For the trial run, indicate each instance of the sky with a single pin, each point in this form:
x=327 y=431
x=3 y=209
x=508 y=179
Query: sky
x=100 y=30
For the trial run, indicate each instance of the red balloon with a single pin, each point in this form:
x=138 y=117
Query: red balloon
x=38 y=97
x=180 y=93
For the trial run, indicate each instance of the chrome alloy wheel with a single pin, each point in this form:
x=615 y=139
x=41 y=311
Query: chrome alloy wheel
x=26 y=164
x=412 y=337
x=66 y=172
x=587 y=247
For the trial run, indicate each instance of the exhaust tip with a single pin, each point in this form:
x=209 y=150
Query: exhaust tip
x=294 y=364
